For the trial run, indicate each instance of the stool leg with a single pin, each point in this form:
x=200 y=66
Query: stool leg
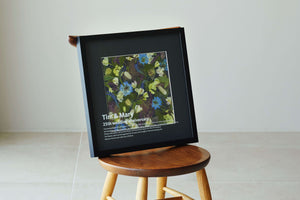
x=161 y=183
x=203 y=185
x=109 y=185
x=142 y=188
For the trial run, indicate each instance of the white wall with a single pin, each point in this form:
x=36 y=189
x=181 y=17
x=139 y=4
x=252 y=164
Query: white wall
x=244 y=58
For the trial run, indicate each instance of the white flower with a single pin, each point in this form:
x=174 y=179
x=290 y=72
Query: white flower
x=129 y=58
x=145 y=95
x=108 y=71
x=131 y=112
x=128 y=121
x=150 y=56
x=140 y=91
x=148 y=122
x=152 y=86
x=169 y=100
x=120 y=96
x=105 y=61
x=160 y=71
x=117 y=69
x=162 y=90
x=138 y=108
x=115 y=81
x=156 y=64
x=128 y=102
x=134 y=125
x=133 y=84
x=127 y=75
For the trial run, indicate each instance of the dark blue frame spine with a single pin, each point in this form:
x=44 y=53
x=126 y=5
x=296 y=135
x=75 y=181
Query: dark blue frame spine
x=86 y=108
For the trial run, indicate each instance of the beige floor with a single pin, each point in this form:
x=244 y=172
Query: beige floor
x=244 y=166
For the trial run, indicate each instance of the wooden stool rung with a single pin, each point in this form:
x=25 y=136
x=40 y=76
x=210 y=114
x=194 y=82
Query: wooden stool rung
x=172 y=198
x=177 y=193
x=109 y=198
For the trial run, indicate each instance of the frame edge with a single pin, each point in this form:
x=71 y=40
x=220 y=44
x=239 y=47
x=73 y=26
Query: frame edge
x=86 y=108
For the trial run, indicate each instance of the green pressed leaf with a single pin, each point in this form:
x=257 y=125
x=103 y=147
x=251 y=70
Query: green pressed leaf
x=164 y=80
x=109 y=98
x=122 y=60
x=108 y=78
x=139 y=102
x=148 y=67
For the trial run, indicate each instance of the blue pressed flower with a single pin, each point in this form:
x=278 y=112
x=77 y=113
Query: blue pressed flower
x=126 y=88
x=120 y=127
x=143 y=58
x=156 y=102
x=164 y=62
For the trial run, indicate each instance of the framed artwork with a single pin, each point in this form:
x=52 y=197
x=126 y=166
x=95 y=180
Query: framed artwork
x=137 y=90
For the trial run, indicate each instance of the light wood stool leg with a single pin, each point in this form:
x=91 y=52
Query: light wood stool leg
x=109 y=185
x=142 y=188
x=203 y=185
x=161 y=183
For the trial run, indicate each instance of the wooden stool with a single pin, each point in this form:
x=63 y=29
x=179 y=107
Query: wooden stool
x=160 y=163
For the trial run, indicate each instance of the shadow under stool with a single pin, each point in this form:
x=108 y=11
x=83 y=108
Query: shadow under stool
x=160 y=163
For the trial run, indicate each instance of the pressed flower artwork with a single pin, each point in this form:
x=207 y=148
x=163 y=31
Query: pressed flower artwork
x=138 y=90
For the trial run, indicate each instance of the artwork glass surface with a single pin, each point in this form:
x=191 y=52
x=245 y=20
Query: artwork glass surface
x=138 y=92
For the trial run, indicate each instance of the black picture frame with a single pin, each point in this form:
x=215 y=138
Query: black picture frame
x=137 y=90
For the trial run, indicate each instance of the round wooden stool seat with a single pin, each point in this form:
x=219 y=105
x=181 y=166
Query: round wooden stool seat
x=160 y=162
